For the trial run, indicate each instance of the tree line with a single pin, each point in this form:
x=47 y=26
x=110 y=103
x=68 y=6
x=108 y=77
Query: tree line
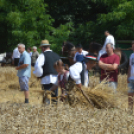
x=81 y=21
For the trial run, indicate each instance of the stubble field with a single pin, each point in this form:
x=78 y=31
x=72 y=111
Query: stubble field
x=109 y=116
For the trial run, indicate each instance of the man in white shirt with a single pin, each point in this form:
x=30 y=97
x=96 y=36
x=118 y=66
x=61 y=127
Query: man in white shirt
x=80 y=51
x=44 y=66
x=77 y=69
x=16 y=56
x=109 y=39
x=131 y=80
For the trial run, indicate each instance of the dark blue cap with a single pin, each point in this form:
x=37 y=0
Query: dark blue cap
x=78 y=46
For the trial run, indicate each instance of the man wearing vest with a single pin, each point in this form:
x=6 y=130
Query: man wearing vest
x=44 y=66
x=79 y=71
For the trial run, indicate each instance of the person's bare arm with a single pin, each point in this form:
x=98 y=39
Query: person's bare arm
x=79 y=85
x=22 y=66
x=108 y=66
x=112 y=66
x=102 y=65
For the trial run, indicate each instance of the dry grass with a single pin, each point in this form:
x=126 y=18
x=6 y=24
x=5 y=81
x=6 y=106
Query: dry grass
x=10 y=90
x=79 y=118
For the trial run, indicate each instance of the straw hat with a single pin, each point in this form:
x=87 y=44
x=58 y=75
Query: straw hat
x=44 y=43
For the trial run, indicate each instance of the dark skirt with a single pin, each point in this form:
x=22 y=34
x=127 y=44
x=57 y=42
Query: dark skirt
x=33 y=64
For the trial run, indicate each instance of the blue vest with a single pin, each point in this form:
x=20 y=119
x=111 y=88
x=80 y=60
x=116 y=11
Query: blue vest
x=80 y=58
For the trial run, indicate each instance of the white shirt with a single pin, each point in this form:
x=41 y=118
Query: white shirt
x=109 y=39
x=30 y=54
x=131 y=63
x=2 y=56
x=82 y=53
x=101 y=52
x=75 y=71
x=38 y=71
x=16 y=53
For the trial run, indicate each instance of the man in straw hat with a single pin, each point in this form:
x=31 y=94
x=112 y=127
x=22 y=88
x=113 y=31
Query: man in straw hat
x=109 y=63
x=44 y=66
x=24 y=71
x=79 y=71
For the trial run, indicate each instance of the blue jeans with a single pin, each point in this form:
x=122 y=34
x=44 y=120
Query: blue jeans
x=131 y=86
x=113 y=85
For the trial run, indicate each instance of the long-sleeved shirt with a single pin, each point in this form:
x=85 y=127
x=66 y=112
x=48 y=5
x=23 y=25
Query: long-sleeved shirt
x=109 y=39
x=34 y=56
x=101 y=52
x=38 y=71
x=75 y=73
x=16 y=53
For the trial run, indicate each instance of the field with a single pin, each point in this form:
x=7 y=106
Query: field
x=38 y=118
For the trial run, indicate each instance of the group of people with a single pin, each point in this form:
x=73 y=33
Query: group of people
x=51 y=70
x=54 y=73
x=16 y=55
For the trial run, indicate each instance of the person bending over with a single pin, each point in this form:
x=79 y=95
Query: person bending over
x=79 y=71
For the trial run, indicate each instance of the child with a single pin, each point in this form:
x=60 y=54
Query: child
x=63 y=75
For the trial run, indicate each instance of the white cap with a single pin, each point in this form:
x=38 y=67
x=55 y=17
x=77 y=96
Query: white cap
x=34 y=47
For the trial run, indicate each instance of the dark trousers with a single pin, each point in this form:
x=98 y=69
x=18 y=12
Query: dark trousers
x=16 y=61
x=33 y=64
x=48 y=86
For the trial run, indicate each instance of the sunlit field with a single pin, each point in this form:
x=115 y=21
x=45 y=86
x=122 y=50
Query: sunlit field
x=74 y=116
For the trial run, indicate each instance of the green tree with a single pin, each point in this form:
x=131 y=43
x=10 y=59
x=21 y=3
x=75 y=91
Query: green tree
x=30 y=21
x=83 y=14
x=24 y=21
x=60 y=34
x=119 y=19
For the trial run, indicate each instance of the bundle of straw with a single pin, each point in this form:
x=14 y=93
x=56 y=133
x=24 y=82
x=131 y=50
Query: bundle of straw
x=94 y=98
